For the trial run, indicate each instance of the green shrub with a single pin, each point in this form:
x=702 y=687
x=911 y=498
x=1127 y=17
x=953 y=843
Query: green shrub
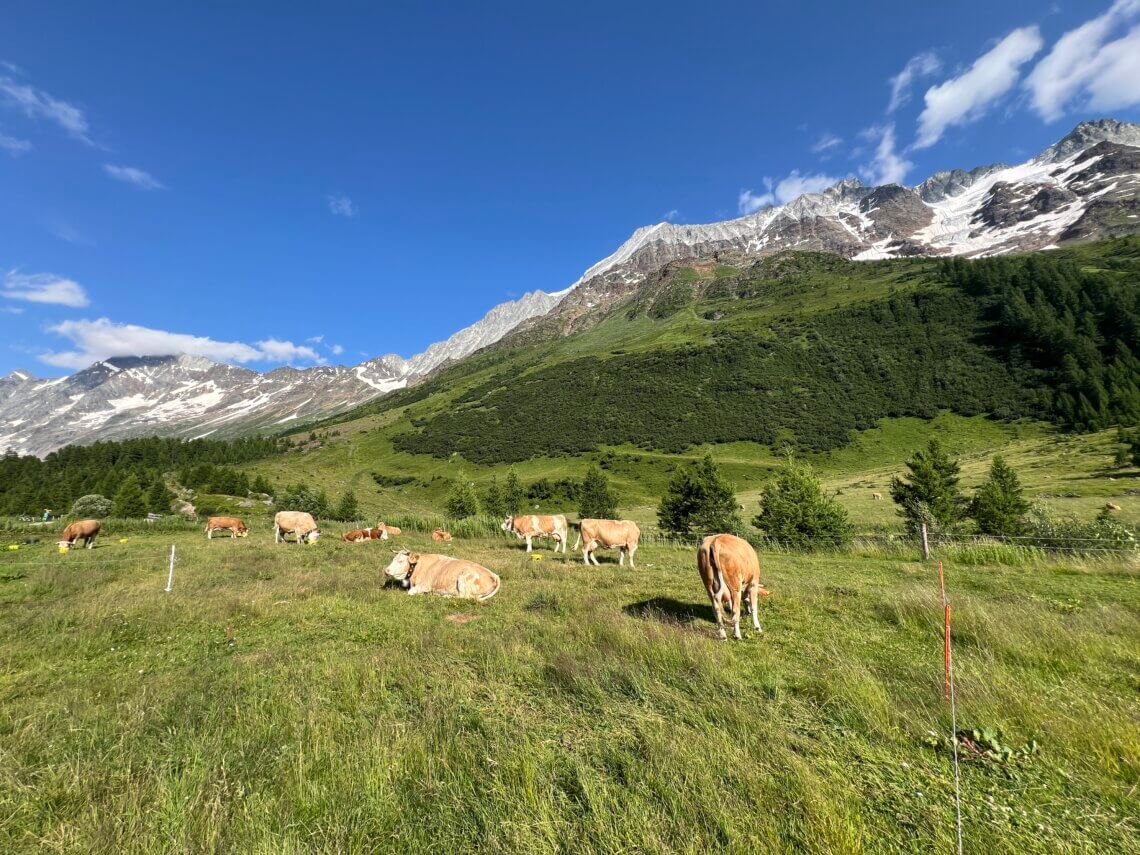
x=91 y=506
x=795 y=511
x=699 y=501
x=999 y=506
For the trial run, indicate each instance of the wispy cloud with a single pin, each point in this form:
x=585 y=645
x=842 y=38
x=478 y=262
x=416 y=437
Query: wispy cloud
x=969 y=96
x=918 y=66
x=826 y=143
x=37 y=104
x=670 y=215
x=43 y=288
x=130 y=175
x=341 y=206
x=887 y=166
x=336 y=349
x=13 y=145
x=1088 y=63
x=94 y=340
x=793 y=185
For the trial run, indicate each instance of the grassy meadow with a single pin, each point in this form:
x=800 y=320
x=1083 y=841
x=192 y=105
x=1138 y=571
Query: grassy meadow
x=283 y=699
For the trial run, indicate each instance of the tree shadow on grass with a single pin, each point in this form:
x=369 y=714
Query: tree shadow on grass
x=668 y=610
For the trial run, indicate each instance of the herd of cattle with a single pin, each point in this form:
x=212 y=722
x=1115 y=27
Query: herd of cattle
x=728 y=565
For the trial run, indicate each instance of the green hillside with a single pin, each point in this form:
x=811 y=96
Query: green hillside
x=851 y=365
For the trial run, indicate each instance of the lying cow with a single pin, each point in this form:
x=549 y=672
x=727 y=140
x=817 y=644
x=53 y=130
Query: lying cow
x=444 y=575
x=441 y=535
x=297 y=523
x=528 y=528
x=359 y=534
x=730 y=570
x=85 y=530
x=624 y=534
x=391 y=529
x=233 y=525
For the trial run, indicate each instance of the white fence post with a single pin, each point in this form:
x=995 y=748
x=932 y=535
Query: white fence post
x=170 y=578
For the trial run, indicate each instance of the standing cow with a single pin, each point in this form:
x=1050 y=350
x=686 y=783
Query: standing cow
x=233 y=525
x=624 y=534
x=85 y=530
x=444 y=575
x=528 y=528
x=730 y=570
x=295 y=522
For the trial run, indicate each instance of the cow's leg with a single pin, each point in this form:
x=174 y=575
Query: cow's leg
x=209 y=534
x=585 y=553
x=621 y=556
x=718 y=615
x=276 y=534
x=594 y=553
x=528 y=543
x=631 y=549
x=753 y=595
x=736 y=613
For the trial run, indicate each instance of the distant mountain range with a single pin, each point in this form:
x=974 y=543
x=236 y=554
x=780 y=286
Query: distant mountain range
x=1084 y=187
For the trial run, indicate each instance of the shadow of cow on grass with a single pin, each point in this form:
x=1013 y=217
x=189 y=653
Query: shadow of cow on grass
x=668 y=610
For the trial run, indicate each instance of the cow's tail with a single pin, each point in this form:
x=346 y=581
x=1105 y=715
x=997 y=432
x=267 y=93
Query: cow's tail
x=718 y=574
x=498 y=584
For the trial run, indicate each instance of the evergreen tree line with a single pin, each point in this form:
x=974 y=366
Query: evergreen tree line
x=595 y=498
x=28 y=485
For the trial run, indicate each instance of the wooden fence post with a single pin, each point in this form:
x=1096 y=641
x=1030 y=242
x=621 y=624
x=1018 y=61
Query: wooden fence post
x=925 y=544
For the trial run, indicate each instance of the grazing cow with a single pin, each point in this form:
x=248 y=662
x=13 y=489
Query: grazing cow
x=85 y=530
x=624 y=534
x=233 y=525
x=441 y=535
x=878 y=497
x=359 y=534
x=295 y=522
x=391 y=529
x=730 y=570
x=1112 y=506
x=444 y=575
x=528 y=528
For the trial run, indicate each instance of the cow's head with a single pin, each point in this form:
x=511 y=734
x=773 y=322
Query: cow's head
x=311 y=536
x=383 y=532
x=65 y=544
x=507 y=524
x=402 y=564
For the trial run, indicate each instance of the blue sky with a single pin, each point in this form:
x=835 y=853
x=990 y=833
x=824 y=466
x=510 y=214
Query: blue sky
x=268 y=186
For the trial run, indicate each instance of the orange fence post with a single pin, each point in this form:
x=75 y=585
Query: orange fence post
x=946 y=652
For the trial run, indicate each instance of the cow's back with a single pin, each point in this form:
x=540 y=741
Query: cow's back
x=81 y=528
x=441 y=574
x=298 y=521
x=610 y=532
x=729 y=557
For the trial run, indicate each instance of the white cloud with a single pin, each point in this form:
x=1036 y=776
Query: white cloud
x=104 y=339
x=315 y=339
x=13 y=145
x=1085 y=62
x=130 y=175
x=785 y=190
x=887 y=166
x=43 y=288
x=342 y=206
x=37 y=104
x=670 y=215
x=336 y=349
x=826 y=142
x=966 y=98
x=920 y=65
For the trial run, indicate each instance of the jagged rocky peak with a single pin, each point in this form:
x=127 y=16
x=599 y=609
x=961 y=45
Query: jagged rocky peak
x=1087 y=134
x=941 y=185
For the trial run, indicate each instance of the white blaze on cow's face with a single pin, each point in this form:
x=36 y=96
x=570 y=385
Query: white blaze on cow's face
x=65 y=544
x=401 y=566
x=383 y=534
x=313 y=535
x=506 y=526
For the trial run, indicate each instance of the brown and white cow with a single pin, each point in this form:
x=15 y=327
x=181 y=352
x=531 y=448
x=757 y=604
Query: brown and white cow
x=730 y=570
x=624 y=534
x=298 y=523
x=440 y=535
x=233 y=525
x=85 y=530
x=528 y=528
x=360 y=534
x=443 y=575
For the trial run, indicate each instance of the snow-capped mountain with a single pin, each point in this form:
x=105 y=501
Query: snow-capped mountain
x=191 y=396
x=1086 y=186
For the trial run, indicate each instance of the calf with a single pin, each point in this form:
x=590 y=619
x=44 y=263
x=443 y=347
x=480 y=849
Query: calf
x=624 y=534
x=441 y=535
x=528 y=528
x=443 y=575
x=85 y=530
x=730 y=570
x=233 y=525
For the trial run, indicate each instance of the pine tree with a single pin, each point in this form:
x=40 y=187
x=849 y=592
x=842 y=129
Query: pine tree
x=129 y=501
x=348 y=510
x=999 y=506
x=262 y=485
x=699 y=501
x=462 y=501
x=930 y=493
x=596 y=500
x=494 y=505
x=513 y=494
x=158 y=498
x=796 y=511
